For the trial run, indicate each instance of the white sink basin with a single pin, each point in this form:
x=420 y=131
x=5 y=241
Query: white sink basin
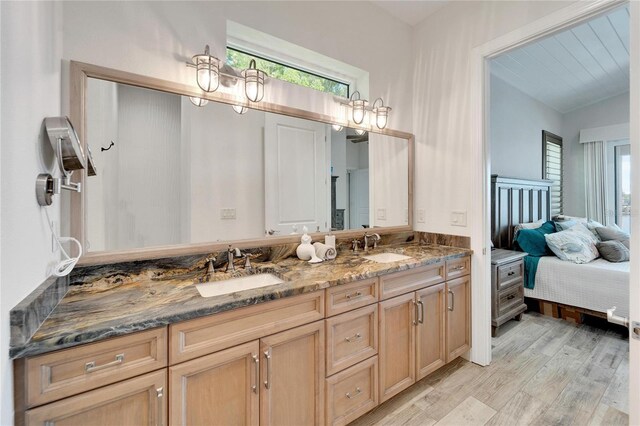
x=387 y=257
x=218 y=288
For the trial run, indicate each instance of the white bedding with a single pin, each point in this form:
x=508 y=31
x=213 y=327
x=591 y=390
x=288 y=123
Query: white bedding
x=597 y=285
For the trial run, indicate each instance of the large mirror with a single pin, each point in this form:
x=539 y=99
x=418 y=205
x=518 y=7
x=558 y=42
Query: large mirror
x=170 y=172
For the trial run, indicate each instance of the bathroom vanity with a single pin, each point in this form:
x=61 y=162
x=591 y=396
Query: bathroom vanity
x=308 y=351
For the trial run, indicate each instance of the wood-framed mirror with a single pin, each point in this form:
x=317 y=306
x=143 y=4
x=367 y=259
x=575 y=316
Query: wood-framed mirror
x=177 y=179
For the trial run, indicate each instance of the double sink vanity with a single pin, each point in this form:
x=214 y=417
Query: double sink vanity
x=139 y=345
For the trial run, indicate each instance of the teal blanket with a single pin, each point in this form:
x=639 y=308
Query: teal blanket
x=530 y=268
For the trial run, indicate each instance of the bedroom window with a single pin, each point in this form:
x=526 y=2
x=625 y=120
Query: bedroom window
x=552 y=168
x=239 y=59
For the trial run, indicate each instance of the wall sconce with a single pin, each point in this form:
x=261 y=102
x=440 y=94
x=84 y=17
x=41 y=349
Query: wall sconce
x=68 y=151
x=199 y=102
x=382 y=113
x=240 y=109
x=253 y=82
x=207 y=71
x=357 y=107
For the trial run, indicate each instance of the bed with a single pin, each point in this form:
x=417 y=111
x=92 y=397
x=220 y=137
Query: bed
x=561 y=288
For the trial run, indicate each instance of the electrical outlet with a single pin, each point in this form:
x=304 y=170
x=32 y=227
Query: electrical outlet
x=382 y=214
x=421 y=216
x=459 y=218
x=227 y=214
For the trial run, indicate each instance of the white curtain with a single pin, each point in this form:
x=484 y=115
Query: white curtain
x=595 y=178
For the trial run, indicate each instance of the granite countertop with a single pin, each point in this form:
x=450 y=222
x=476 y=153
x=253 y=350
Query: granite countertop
x=119 y=304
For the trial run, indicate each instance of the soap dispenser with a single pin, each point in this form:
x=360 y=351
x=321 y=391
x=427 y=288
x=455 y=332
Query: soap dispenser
x=305 y=250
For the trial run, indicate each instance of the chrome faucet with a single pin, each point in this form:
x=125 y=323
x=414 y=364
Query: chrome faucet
x=376 y=238
x=210 y=268
x=355 y=244
x=230 y=255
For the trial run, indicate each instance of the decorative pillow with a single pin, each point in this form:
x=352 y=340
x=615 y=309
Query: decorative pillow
x=561 y=217
x=576 y=244
x=592 y=225
x=533 y=241
x=608 y=233
x=531 y=225
x=613 y=251
x=565 y=224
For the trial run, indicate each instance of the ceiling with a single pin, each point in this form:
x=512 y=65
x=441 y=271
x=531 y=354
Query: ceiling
x=411 y=12
x=575 y=68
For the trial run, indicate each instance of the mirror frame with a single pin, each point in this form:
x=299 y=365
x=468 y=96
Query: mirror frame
x=80 y=73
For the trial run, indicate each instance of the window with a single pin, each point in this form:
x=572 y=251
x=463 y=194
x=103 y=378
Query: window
x=623 y=186
x=552 y=169
x=240 y=60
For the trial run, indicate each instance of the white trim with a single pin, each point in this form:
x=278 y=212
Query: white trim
x=605 y=133
x=258 y=43
x=481 y=290
x=634 y=277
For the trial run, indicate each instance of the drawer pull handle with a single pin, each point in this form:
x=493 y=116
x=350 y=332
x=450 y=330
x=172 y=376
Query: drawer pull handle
x=91 y=366
x=267 y=355
x=357 y=392
x=511 y=273
x=511 y=296
x=355 y=338
x=457 y=268
x=256 y=363
x=352 y=295
x=160 y=394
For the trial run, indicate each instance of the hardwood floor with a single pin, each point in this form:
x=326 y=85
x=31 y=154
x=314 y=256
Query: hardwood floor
x=545 y=371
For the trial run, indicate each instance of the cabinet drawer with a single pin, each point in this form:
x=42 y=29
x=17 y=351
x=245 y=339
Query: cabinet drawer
x=352 y=392
x=67 y=372
x=510 y=274
x=202 y=336
x=458 y=267
x=140 y=401
x=411 y=280
x=351 y=296
x=509 y=299
x=351 y=337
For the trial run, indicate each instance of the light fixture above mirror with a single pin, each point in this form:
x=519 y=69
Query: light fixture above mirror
x=240 y=109
x=209 y=75
x=359 y=109
x=382 y=113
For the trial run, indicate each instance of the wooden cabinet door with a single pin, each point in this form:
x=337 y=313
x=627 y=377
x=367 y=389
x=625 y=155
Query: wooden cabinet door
x=458 y=317
x=138 y=401
x=431 y=330
x=292 y=377
x=217 y=389
x=397 y=345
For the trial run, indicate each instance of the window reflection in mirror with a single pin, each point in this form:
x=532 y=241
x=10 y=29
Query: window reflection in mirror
x=182 y=174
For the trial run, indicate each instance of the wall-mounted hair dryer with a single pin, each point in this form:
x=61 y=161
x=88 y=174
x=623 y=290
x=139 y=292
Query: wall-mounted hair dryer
x=70 y=157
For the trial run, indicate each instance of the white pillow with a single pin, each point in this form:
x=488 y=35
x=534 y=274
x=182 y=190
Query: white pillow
x=577 y=244
x=530 y=225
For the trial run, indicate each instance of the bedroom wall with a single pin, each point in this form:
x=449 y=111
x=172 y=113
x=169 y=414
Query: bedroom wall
x=614 y=110
x=516 y=124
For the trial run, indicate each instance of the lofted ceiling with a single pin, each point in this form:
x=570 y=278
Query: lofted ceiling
x=413 y=11
x=575 y=68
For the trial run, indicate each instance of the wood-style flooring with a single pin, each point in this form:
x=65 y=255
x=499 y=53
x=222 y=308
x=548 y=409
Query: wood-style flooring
x=545 y=371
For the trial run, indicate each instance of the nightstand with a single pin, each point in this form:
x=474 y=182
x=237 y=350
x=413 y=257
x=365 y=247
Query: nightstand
x=507 y=287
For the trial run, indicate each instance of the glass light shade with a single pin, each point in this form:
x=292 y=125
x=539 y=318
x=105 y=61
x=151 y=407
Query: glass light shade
x=360 y=132
x=199 y=102
x=254 y=82
x=337 y=127
x=239 y=109
x=382 y=116
x=207 y=73
x=358 y=112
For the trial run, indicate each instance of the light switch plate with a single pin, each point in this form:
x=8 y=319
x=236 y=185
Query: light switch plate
x=227 y=213
x=421 y=216
x=382 y=214
x=459 y=218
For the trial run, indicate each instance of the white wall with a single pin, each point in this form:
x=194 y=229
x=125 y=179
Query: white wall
x=442 y=94
x=31 y=50
x=516 y=124
x=610 y=111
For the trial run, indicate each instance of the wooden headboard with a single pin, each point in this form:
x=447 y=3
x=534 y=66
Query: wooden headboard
x=515 y=201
